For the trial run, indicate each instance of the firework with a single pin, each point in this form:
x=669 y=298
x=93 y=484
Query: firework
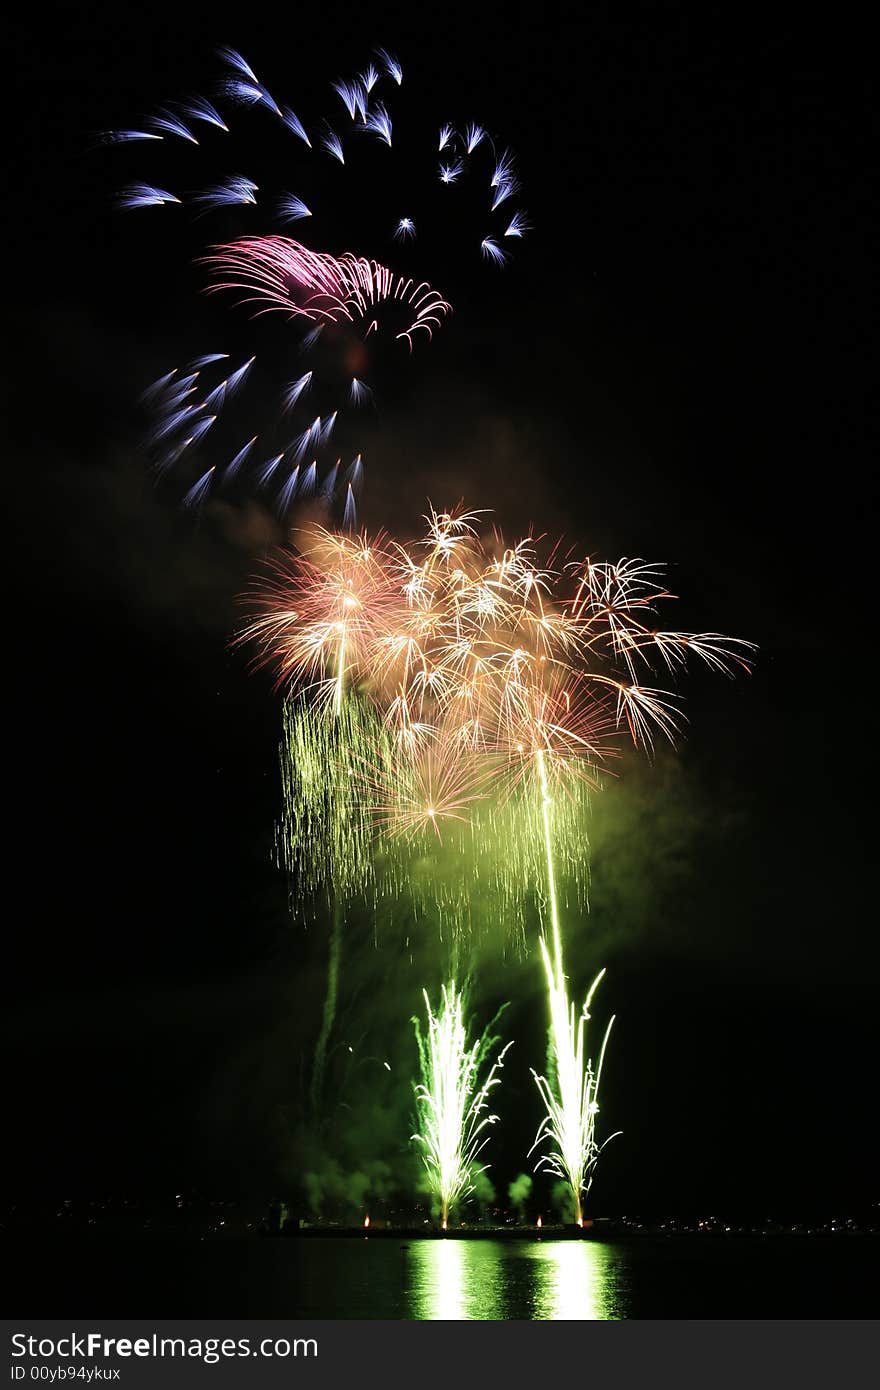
x=324 y=838
x=122 y=137
x=200 y=109
x=167 y=123
x=571 y=1095
x=490 y=687
x=279 y=274
x=518 y=225
x=450 y=171
x=452 y=1099
x=292 y=209
x=323 y=612
x=367 y=102
x=235 y=189
x=378 y=122
x=492 y=251
x=325 y=834
x=145 y=195
x=349 y=288
x=498 y=686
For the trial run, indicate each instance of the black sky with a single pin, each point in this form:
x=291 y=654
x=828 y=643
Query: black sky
x=675 y=367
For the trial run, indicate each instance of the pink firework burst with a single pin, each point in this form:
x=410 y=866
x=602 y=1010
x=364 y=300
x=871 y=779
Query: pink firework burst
x=280 y=275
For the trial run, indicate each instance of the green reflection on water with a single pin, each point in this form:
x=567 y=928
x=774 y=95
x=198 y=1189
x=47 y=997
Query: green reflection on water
x=455 y=1280
x=574 y=1279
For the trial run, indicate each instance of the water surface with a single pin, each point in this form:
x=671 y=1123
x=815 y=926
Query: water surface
x=642 y=1277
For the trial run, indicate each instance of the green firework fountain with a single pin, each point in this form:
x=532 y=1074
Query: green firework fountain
x=452 y=1102
x=571 y=1098
x=571 y=1092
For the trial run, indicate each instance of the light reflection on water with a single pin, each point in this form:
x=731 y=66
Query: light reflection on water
x=574 y=1279
x=454 y=1280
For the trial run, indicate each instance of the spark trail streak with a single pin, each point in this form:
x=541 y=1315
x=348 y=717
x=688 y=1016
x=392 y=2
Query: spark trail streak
x=551 y=871
x=331 y=995
x=452 y=1102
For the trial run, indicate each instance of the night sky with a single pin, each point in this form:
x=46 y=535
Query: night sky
x=673 y=367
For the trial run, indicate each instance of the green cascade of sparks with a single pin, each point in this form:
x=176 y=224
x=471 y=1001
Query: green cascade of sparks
x=324 y=839
x=468 y=875
x=325 y=835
